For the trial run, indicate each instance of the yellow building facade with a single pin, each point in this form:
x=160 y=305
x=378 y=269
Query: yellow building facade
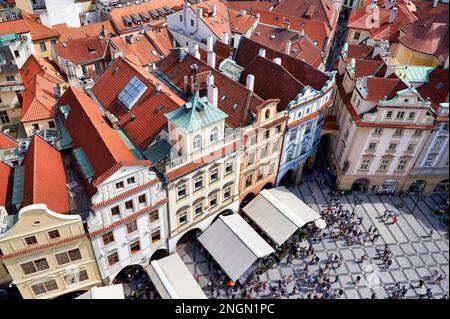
x=48 y=254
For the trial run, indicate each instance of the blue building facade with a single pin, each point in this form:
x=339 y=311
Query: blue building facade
x=303 y=131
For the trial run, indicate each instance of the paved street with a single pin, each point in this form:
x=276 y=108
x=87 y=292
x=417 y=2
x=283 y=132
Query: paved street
x=416 y=255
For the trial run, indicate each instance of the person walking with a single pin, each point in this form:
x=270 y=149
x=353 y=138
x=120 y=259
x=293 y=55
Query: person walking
x=421 y=283
x=362 y=259
x=357 y=280
x=431 y=233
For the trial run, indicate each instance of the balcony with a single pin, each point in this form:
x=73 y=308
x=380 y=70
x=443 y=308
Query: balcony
x=11 y=86
x=206 y=151
x=8 y=69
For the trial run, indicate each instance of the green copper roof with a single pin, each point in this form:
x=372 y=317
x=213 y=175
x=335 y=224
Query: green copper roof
x=84 y=163
x=413 y=73
x=18 y=186
x=195 y=114
x=158 y=151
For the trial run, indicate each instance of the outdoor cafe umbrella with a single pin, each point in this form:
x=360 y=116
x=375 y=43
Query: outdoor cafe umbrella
x=320 y=223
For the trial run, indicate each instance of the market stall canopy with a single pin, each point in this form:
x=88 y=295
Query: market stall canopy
x=234 y=245
x=107 y=292
x=279 y=213
x=173 y=280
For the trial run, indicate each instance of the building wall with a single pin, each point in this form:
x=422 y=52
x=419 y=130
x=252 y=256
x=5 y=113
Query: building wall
x=36 y=220
x=405 y=55
x=353 y=38
x=42 y=124
x=21 y=48
x=148 y=223
x=48 y=46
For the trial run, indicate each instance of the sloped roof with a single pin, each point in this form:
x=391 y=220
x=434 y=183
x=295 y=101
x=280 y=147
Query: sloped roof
x=248 y=6
x=270 y=88
x=45 y=177
x=356 y=51
x=161 y=39
x=241 y=23
x=39 y=99
x=142 y=49
x=37 y=30
x=301 y=70
x=83 y=50
x=301 y=46
x=365 y=67
x=35 y=65
x=6 y=174
x=233 y=97
x=7 y=141
x=437 y=87
x=89 y=30
x=218 y=24
x=378 y=88
x=103 y=146
x=314 y=9
x=148 y=119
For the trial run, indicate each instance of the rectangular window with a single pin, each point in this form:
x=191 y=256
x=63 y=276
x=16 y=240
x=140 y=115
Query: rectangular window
x=346 y=134
x=132 y=227
x=292 y=135
x=228 y=168
x=135 y=247
x=289 y=156
x=28 y=268
x=108 y=238
x=120 y=185
x=364 y=165
x=35 y=127
x=378 y=131
x=44 y=287
x=181 y=191
x=74 y=254
x=113 y=259
x=402 y=165
x=198 y=208
x=392 y=147
x=438 y=144
x=418 y=132
x=4 y=118
x=260 y=174
x=62 y=258
x=411 y=115
x=356 y=35
x=41 y=264
x=226 y=193
x=267 y=134
x=253 y=139
x=389 y=115
x=53 y=234
x=372 y=146
x=10 y=78
x=42 y=46
x=398 y=132
x=275 y=147
x=429 y=161
x=115 y=211
x=213 y=201
x=72 y=279
x=384 y=164
x=131 y=180
x=251 y=158
x=156 y=236
x=214 y=175
x=154 y=217
x=51 y=124
x=249 y=181
x=192 y=23
x=142 y=199
x=182 y=218
x=31 y=240
x=97 y=67
x=129 y=205
x=411 y=147
x=278 y=129
x=198 y=183
x=16 y=53
x=263 y=152
x=400 y=115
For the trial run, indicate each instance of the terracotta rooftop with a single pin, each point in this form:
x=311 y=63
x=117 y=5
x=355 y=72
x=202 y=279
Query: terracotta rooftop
x=141 y=50
x=378 y=88
x=92 y=29
x=45 y=177
x=149 y=119
x=83 y=50
x=437 y=87
x=161 y=39
x=116 y=14
x=6 y=176
x=316 y=30
x=241 y=23
x=36 y=65
x=301 y=46
x=364 y=67
x=39 y=99
x=218 y=24
x=7 y=141
x=249 y=6
x=37 y=30
x=301 y=70
x=233 y=97
x=104 y=148
x=428 y=36
x=310 y=9
x=357 y=51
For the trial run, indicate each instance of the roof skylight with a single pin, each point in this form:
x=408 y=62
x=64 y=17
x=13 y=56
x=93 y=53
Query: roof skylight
x=132 y=92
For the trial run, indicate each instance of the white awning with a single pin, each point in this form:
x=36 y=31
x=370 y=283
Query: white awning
x=106 y=292
x=234 y=245
x=173 y=280
x=279 y=213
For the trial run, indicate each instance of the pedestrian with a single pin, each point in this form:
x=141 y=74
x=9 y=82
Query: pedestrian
x=431 y=233
x=421 y=283
x=336 y=278
x=389 y=263
x=362 y=259
x=394 y=220
x=373 y=296
x=357 y=280
x=439 y=279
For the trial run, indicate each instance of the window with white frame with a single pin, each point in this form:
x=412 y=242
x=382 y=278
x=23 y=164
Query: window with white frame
x=214 y=135
x=365 y=165
x=131 y=180
x=44 y=287
x=341 y=151
x=429 y=161
x=156 y=236
x=251 y=158
x=271 y=168
x=213 y=200
x=378 y=131
x=389 y=114
x=384 y=164
x=260 y=174
x=392 y=147
x=411 y=116
x=228 y=168
x=119 y=185
x=197 y=144
x=372 y=146
x=346 y=134
x=292 y=134
x=181 y=191
x=275 y=147
x=214 y=175
x=402 y=165
x=198 y=208
x=400 y=115
x=438 y=143
x=129 y=207
x=398 y=132
x=411 y=147
x=227 y=193
x=289 y=156
x=198 y=183
x=417 y=133
x=75 y=278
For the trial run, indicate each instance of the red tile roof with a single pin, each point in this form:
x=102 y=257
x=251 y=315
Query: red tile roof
x=92 y=29
x=241 y=23
x=218 y=24
x=161 y=39
x=249 y=6
x=83 y=50
x=103 y=146
x=148 y=121
x=24 y=25
x=36 y=65
x=357 y=51
x=39 y=100
x=6 y=174
x=428 y=36
x=437 y=87
x=378 y=88
x=302 y=71
x=315 y=30
x=45 y=177
x=313 y=9
x=367 y=67
x=141 y=50
x=7 y=141
x=116 y=14
x=233 y=92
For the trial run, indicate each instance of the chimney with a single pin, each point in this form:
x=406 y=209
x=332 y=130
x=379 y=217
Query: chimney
x=388 y=4
x=130 y=39
x=112 y=120
x=446 y=64
x=185 y=8
x=301 y=33
x=195 y=51
x=288 y=47
x=250 y=82
x=213 y=10
x=435 y=3
x=199 y=15
x=262 y=52
x=210 y=44
x=213 y=92
x=158 y=87
x=393 y=15
x=372 y=6
x=225 y=38
x=277 y=61
x=212 y=59
x=286 y=25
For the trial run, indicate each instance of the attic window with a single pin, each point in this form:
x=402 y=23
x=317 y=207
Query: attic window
x=159 y=108
x=439 y=85
x=132 y=92
x=235 y=106
x=91 y=50
x=223 y=97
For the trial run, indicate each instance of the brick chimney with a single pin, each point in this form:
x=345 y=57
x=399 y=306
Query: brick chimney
x=393 y=15
x=277 y=61
x=262 y=52
x=388 y=4
x=250 y=82
x=435 y=3
x=213 y=91
x=225 y=38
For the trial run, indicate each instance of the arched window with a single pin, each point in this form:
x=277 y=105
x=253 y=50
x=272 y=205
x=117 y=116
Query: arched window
x=267 y=115
x=197 y=144
x=215 y=134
